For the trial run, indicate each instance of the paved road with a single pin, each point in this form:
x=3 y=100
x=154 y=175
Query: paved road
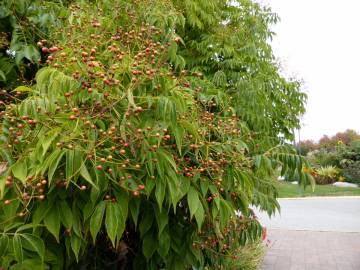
x=314 y=234
x=339 y=214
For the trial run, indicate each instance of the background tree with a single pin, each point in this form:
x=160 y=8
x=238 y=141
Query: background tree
x=346 y=137
x=304 y=147
x=228 y=41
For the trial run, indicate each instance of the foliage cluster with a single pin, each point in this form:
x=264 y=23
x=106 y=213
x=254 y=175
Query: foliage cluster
x=153 y=122
x=326 y=175
x=346 y=137
x=22 y=24
x=341 y=151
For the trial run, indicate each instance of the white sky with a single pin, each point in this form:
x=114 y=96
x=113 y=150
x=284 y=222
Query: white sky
x=319 y=41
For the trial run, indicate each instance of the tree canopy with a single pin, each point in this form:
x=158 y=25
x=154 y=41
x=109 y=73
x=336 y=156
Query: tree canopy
x=150 y=124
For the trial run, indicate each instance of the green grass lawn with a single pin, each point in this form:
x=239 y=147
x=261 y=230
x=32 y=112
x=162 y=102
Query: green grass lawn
x=288 y=190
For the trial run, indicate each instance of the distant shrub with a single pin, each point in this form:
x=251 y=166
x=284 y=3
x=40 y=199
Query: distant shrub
x=322 y=158
x=351 y=171
x=251 y=257
x=326 y=175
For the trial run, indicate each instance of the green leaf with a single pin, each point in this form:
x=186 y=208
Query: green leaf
x=66 y=214
x=35 y=243
x=122 y=198
x=112 y=220
x=134 y=206
x=2 y=76
x=49 y=138
x=19 y=170
x=22 y=89
x=97 y=219
x=2 y=186
x=88 y=210
x=75 y=242
x=31 y=53
x=149 y=245
x=199 y=216
x=178 y=133
x=161 y=218
x=69 y=170
x=12 y=225
x=219 y=78
x=160 y=168
x=73 y=163
x=41 y=211
x=160 y=192
x=86 y=175
x=4 y=243
x=54 y=164
x=204 y=185
x=146 y=221
x=193 y=201
x=52 y=221
x=27 y=226
x=166 y=156
x=172 y=51
x=77 y=225
x=164 y=244
x=17 y=248
x=225 y=213
x=30 y=264
x=174 y=185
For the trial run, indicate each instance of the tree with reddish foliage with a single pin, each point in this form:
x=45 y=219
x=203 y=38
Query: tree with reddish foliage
x=306 y=146
x=346 y=137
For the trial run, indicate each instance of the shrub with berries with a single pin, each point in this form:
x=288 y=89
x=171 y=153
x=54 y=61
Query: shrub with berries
x=120 y=157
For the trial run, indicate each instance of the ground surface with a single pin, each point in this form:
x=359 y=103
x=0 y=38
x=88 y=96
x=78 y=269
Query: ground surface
x=288 y=190
x=314 y=233
x=339 y=214
x=309 y=250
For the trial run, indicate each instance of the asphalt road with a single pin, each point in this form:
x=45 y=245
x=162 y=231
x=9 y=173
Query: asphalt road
x=333 y=214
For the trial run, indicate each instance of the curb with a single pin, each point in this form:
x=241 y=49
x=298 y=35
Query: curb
x=307 y=230
x=320 y=197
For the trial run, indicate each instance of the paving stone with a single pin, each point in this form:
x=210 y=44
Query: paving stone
x=311 y=250
x=345 y=266
x=312 y=259
x=270 y=259
x=297 y=267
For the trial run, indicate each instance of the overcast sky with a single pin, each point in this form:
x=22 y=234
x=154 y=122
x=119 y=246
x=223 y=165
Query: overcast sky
x=319 y=42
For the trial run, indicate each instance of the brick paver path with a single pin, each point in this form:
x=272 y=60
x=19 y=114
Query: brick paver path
x=311 y=250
